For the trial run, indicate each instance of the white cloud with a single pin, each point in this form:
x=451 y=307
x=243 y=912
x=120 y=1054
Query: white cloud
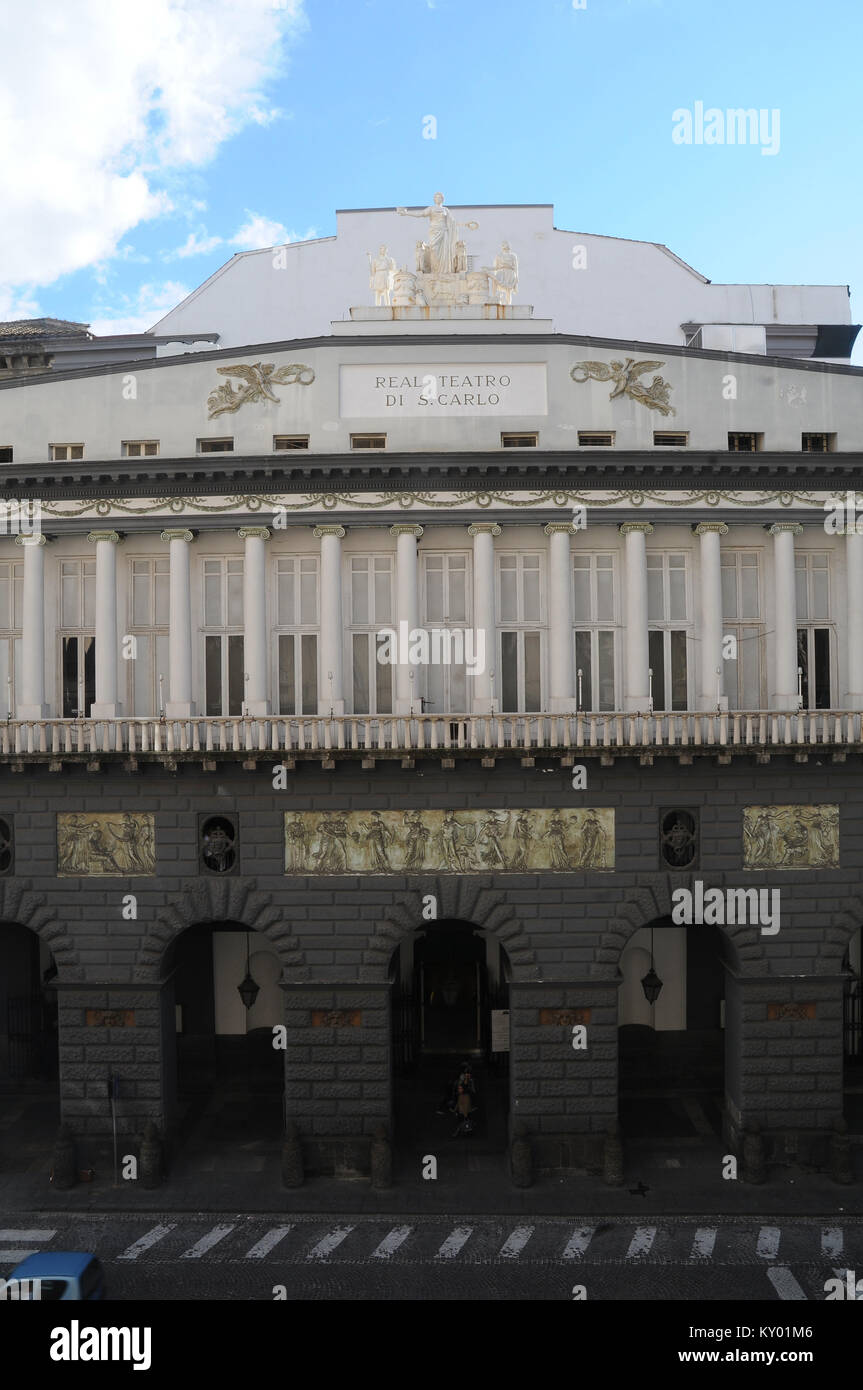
x=136 y=313
x=196 y=245
x=99 y=101
x=258 y=231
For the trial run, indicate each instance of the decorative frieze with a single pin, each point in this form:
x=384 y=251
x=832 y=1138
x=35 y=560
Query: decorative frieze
x=415 y=841
x=105 y=844
x=791 y=837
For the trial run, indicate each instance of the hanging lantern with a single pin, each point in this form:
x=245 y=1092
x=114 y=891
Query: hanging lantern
x=248 y=990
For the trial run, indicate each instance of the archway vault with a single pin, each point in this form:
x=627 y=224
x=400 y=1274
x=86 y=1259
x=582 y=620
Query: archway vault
x=215 y=899
x=457 y=899
x=21 y=905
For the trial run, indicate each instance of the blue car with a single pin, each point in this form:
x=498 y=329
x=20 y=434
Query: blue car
x=62 y=1275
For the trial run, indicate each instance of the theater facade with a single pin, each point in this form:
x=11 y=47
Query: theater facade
x=440 y=678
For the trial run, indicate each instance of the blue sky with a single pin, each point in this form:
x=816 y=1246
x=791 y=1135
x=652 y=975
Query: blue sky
x=267 y=116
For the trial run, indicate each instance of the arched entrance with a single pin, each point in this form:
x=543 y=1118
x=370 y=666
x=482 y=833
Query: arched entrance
x=229 y=1077
x=29 y=1051
x=450 y=1005
x=671 y=1050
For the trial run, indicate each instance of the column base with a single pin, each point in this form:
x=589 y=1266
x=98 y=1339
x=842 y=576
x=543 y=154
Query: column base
x=327 y=707
x=786 y=702
x=32 y=712
x=179 y=709
x=103 y=710
x=636 y=704
x=562 y=704
x=709 y=704
x=853 y=702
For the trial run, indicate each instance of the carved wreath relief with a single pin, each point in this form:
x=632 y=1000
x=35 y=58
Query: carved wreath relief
x=461 y=842
x=624 y=374
x=105 y=844
x=791 y=837
x=259 y=379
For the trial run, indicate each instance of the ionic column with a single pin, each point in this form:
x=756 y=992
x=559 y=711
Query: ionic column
x=854 y=615
x=711 y=682
x=179 y=704
x=408 y=611
x=105 y=704
x=483 y=533
x=560 y=641
x=637 y=671
x=332 y=697
x=784 y=693
x=255 y=618
x=32 y=676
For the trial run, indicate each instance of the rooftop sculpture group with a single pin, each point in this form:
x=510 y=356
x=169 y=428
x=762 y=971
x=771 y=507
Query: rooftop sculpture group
x=441 y=275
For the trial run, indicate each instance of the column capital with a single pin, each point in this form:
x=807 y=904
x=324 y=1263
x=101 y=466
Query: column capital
x=321 y=531
x=556 y=528
x=628 y=526
x=484 y=528
x=95 y=536
x=405 y=529
x=793 y=526
x=31 y=540
x=178 y=535
x=704 y=528
x=260 y=533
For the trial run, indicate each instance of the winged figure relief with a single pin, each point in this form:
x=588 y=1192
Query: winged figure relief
x=259 y=380
x=624 y=375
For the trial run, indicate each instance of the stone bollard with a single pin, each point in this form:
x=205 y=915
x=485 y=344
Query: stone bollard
x=292 y=1157
x=381 y=1159
x=151 y=1162
x=840 y=1164
x=521 y=1156
x=612 y=1158
x=754 y=1155
x=64 y=1172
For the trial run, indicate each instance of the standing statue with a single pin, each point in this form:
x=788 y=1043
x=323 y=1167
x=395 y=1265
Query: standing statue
x=381 y=270
x=443 y=234
x=504 y=273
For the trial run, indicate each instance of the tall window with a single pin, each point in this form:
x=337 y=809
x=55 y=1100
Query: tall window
x=11 y=597
x=77 y=639
x=668 y=623
x=815 y=634
x=520 y=609
x=743 y=668
x=223 y=637
x=594 y=613
x=297 y=637
x=150 y=605
x=446 y=606
x=371 y=609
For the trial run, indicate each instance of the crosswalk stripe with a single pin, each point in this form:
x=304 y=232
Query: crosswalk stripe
x=516 y=1242
x=768 y=1242
x=267 y=1242
x=206 y=1242
x=578 y=1243
x=832 y=1241
x=27 y=1236
x=328 y=1244
x=641 y=1242
x=786 y=1285
x=702 y=1246
x=390 y=1243
x=145 y=1242
x=454 y=1242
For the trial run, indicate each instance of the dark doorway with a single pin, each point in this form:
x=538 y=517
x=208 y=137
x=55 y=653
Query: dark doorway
x=28 y=1012
x=671 y=1054
x=449 y=986
x=229 y=1077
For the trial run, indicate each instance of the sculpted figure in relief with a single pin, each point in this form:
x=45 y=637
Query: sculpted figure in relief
x=381 y=270
x=443 y=234
x=504 y=273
